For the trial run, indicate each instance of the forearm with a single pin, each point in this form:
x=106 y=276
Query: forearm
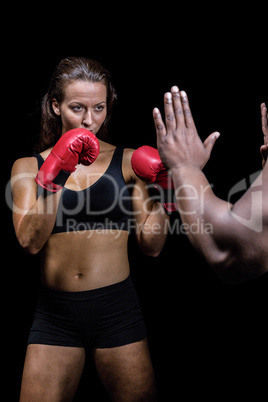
x=200 y=208
x=152 y=233
x=34 y=228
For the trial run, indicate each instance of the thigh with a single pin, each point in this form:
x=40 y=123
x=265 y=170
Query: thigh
x=127 y=372
x=51 y=373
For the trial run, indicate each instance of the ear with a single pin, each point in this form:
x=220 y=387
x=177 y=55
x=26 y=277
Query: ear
x=56 y=107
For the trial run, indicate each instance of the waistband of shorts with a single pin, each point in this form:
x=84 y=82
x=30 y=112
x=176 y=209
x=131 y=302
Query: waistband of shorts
x=86 y=294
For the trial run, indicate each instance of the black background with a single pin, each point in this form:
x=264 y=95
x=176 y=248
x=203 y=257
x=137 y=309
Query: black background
x=207 y=338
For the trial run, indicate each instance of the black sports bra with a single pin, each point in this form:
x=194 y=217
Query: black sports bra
x=104 y=205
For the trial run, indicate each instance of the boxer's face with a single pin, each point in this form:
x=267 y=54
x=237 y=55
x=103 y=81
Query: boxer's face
x=84 y=106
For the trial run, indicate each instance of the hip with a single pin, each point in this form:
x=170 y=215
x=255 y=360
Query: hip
x=105 y=317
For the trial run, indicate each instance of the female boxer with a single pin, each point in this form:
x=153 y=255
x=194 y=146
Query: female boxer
x=75 y=202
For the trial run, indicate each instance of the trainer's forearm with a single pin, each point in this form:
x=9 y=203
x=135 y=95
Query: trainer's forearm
x=200 y=209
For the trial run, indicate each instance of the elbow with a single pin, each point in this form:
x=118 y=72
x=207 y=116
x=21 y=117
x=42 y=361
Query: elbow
x=150 y=250
x=31 y=250
x=28 y=245
x=151 y=247
x=233 y=270
x=152 y=253
x=223 y=264
x=224 y=271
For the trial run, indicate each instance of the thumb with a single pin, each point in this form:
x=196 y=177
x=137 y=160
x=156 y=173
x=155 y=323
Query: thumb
x=264 y=153
x=210 y=141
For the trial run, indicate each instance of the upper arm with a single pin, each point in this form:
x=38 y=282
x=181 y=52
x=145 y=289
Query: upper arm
x=242 y=233
x=24 y=188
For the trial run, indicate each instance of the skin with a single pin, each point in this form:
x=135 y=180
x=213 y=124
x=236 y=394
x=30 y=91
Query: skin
x=236 y=247
x=121 y=369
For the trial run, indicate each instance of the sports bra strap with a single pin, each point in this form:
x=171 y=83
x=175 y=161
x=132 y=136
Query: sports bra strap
x=40 y=160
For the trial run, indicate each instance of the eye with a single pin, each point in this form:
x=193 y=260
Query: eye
x=99 y=108
x=76 y=108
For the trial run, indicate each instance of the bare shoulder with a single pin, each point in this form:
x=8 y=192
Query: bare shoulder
x=23 y=185
x=25 y=165
x=128 y=152
x=128 y=172
x=23 y=175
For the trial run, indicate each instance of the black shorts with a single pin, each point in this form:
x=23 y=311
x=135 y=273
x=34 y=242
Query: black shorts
x=100 y=318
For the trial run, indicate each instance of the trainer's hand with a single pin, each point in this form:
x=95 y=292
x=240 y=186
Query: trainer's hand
x=264 y=120
x=178 y=142
x=75 y=146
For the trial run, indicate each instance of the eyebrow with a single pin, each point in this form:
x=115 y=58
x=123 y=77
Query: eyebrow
x=82 y=103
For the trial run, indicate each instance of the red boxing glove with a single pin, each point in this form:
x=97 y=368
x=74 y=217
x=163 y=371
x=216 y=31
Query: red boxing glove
x=75 y=146
x=149 y=167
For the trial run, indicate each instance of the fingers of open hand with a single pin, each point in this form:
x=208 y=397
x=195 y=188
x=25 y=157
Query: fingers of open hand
x=264 y=119
x=188 y=118
x=159 y=125
x=177 y=110
x=170 y=111
x=178 y=116
x=178 y=107
x=174 y=110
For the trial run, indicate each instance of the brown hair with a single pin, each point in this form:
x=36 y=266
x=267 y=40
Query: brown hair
x=68 y=70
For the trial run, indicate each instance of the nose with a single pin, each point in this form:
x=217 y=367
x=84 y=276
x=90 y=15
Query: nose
x=87 y=119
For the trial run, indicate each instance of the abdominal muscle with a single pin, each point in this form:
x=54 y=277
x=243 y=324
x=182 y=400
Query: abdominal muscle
x=79 y=261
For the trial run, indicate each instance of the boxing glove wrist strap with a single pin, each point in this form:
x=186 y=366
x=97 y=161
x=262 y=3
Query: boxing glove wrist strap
x=55 y=185
x=61 y=178
x=165 y=196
